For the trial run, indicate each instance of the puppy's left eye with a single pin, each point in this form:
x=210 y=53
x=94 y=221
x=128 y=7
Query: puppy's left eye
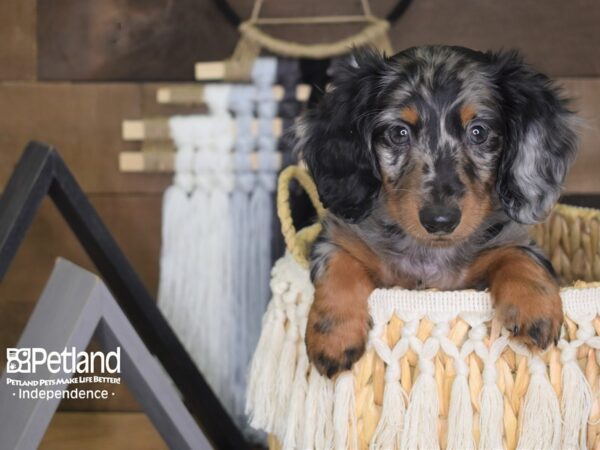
x=477 y=134
x=398 y=135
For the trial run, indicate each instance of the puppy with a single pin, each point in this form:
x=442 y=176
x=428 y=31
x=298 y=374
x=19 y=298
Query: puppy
x=431 y=164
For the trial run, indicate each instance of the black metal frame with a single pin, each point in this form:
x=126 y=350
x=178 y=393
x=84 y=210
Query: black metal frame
x=41 y=172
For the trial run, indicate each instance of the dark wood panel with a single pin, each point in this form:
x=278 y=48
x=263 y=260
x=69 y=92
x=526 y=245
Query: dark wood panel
x=84 y=122
x=559 y=37
x=18 y=42
x=134 y=221
x=99 y=431
x=161 y=39
x=583 y=177
x=129 y=40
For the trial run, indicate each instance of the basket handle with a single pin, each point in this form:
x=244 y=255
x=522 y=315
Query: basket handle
x=294 y=243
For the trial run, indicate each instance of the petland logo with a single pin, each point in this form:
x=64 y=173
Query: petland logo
x=29 y=360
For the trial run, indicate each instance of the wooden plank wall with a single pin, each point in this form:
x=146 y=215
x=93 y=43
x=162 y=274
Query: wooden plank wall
x=161 y=39
x=48 y=44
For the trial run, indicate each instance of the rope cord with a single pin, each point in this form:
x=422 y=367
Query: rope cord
x=375 y=33
x=297 y=243
x=234 y=19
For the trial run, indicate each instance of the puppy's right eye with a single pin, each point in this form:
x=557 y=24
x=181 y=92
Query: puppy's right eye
x=477 y=134
x=398 y=135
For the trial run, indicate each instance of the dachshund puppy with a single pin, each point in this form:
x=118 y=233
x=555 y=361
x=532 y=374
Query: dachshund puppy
x=431 y=164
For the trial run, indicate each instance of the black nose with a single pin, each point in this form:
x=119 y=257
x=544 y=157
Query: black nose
x=439 y=219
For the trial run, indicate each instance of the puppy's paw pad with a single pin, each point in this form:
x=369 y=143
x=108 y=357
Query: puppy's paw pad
x=536 y=327
x=334 y=347
x=330 y=366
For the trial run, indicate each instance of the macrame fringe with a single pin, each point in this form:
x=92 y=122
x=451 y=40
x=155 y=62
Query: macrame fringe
x=172 y=298
x=196 y=336
x=242 y=105
x=490 y=417
x=324 y=433
x=541 y=411
x=318 y=431
x=261 y=213
x=460 y=416
x=296 y=415
x=254 y=381
x=314 y=413
x=344 y=413
x=261 y=399
x=285 y=377
x=174 y=209
x=389 y=428
x=219 y=316
x=259 y=396
x=311 y=409
x=576 y=405
x=422 y=413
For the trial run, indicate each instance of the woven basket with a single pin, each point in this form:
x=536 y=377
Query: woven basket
x=438 y=371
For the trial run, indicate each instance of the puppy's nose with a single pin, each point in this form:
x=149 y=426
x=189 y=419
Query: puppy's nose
x=439 y=219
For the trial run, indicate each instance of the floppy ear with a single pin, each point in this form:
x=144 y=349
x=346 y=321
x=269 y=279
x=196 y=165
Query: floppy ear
x=539 y=140
x=334 y=138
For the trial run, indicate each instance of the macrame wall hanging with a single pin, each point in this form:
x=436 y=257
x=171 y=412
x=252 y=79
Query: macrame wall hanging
x=261 y=201
x=242 y=106
x=195 y=288
x=438 y=371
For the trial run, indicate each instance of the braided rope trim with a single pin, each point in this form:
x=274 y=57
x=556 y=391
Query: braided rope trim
x=584 y=298
x=298 y=243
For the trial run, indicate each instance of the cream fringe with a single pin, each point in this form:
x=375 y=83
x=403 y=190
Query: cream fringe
x=287 y=396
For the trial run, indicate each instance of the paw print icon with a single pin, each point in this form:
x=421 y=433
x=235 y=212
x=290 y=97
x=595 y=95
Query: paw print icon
x=18 y=360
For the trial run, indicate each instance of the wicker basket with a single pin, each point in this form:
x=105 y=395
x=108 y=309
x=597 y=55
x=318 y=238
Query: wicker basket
x=438 y=372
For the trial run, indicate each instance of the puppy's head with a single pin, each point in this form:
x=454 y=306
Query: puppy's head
x=438 y=136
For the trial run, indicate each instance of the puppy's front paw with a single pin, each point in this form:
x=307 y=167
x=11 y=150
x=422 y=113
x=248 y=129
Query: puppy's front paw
x=531 y=311
x=335 y=343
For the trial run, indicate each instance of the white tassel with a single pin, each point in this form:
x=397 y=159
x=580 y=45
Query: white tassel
x=491 y=411
x=175 y=208
x=288 y=282
x=460 y=414
x=296 y=417
x=324 y=418
x=176 y=225
x=491 y=403
x=576 y=402
x=541 y=411
x=389 y=428
x=420 y=426
x=262 y=348
x=318 y=427
x=285 y=378
x=311 y=410
x=260 y=398
x=263 y=413
x=272 y=319
x=344 y=413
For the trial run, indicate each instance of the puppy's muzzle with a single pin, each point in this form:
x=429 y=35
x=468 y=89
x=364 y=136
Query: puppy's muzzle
x=439 y=219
